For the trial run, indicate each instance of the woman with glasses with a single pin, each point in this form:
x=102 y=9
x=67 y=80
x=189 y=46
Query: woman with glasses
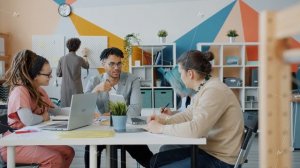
x=69 y=68
x=29 y=104
x=114 y=81
x=214 y=113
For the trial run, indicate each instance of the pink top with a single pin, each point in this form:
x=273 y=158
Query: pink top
x=20 y=98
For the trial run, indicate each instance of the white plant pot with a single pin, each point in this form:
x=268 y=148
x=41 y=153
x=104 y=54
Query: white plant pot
x=231 y=39
x=162 y=39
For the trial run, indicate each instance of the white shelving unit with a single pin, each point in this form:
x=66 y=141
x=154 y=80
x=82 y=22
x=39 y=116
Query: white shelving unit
x=149 y=62
x=231 y=62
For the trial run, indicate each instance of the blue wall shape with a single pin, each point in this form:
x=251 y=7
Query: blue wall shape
x=205 y=32
x=60 y=1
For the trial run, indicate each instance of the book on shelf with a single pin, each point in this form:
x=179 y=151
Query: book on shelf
x=157 y=58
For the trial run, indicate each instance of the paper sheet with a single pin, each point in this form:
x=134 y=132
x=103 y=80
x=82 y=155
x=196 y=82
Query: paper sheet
x=87 y=134
x=116 y=98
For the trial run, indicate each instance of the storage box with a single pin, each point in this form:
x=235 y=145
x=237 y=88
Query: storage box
x=147 y=98
x=163 y=97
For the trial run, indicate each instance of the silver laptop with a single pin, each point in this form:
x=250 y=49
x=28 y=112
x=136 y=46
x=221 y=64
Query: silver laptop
x=81 y=113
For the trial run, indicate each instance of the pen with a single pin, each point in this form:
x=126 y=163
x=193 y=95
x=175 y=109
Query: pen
x=110 y=83
x=24 y=131
x=163 y=109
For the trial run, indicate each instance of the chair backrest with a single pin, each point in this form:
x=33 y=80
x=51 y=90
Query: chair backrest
x=251 y=120
x=251 y=127
x=56 y=101
x=4 y=127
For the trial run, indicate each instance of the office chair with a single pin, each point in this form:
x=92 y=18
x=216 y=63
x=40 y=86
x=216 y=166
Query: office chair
x=251 y=127
x=4 y=127
x=56 y=101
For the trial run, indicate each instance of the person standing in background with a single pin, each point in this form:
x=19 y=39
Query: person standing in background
x=69 y=68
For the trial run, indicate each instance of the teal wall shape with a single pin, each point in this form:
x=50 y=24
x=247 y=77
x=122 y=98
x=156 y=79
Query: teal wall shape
x=205 y=32
x=60 y=1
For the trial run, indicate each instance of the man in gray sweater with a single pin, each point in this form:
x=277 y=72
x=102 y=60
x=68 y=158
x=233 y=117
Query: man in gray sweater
x=114 y=81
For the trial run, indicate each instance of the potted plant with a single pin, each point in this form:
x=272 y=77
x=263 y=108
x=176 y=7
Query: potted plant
x=129 y=40
x=119 y=115
x=232 y=34
x=162 y=34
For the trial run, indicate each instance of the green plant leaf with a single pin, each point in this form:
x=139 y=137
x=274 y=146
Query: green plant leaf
x=232 y=33
x=162 y=33
x=118 y=108
x=129 y=40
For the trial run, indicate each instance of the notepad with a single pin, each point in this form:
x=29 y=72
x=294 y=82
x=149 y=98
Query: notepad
x=87 y=134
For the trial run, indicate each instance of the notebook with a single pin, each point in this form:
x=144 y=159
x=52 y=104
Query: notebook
x=81 y=113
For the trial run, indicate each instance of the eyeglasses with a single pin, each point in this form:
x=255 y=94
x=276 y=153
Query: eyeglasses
x=113 y=64
x=48 y=75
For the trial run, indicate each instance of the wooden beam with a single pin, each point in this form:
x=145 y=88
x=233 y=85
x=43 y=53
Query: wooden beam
x=274 y=97
x=285 y=25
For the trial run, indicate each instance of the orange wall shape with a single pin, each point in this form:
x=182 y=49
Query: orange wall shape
x=250 y=26
x=86 y=28
x=70 y=1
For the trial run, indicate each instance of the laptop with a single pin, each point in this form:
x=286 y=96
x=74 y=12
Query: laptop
x=81 y=113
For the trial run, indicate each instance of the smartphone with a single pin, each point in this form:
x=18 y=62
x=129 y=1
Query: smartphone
x=138 y=121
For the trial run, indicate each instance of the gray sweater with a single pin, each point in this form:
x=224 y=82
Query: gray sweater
x=128 y=86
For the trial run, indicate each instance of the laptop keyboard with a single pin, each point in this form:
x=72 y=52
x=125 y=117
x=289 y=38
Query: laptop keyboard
x=57 y=125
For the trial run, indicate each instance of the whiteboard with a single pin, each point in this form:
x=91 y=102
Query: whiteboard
x=49 y=46
x=53 y=47
x=95 y=45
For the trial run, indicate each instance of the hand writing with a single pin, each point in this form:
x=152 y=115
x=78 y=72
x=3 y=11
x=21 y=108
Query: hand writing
x=154 y=127
x=152 y=117
x=166 y=111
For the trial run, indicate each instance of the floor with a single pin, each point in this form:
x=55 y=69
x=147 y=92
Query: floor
x=252 y=157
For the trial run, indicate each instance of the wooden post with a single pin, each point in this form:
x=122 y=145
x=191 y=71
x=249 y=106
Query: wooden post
x=275 y=96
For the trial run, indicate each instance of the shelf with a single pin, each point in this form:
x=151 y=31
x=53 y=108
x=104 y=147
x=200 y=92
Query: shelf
x=163 y=66
x=235 y=87
x=233 y=66
x=251 y=87
x=231 y=62
x=163 y=87
x=142 y=66
x=154 y=61
x=5 y=54
x=229 y=44
x=251 y=109
x=251 y=66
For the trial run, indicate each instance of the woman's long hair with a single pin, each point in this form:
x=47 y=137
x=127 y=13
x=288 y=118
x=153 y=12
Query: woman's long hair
x=25 y=66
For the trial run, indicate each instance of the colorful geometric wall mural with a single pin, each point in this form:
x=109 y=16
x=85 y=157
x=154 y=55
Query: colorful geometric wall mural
x=236 y=15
